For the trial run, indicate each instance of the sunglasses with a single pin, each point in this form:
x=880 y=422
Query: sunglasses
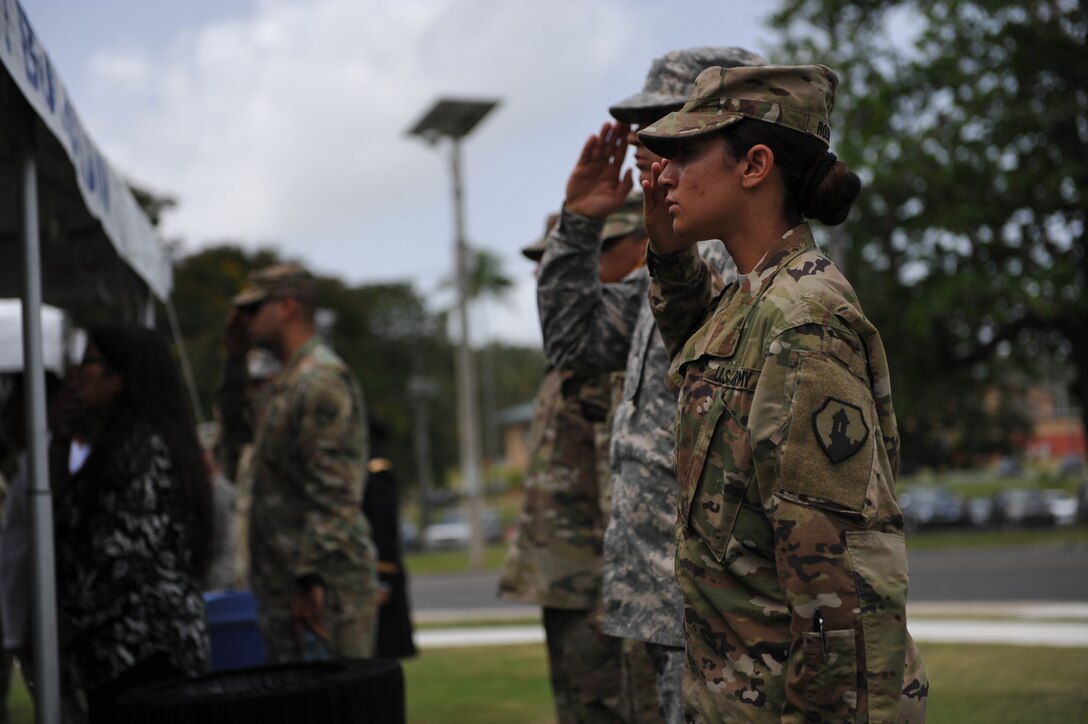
x=253 y=307
x=91 y=359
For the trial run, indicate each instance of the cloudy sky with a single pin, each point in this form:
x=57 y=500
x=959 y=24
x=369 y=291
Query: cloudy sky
x=282 y=122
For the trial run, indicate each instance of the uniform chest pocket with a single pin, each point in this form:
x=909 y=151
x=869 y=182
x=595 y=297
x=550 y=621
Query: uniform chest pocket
x=713 y=453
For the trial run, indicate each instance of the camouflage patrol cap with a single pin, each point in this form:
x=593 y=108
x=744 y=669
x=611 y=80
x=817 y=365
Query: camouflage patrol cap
x=670 y=79
x=277 y=280
x=793 y=96
x=535 y=251
x=626 y=221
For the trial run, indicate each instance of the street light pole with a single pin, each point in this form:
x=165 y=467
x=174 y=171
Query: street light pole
x=468 y=417
x=454 y=119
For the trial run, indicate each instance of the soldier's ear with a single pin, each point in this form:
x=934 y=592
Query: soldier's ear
x=288 y=307
x=756 y=165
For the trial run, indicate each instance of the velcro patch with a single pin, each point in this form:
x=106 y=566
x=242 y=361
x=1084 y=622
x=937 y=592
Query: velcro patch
x=840 y=429
x=828 y=453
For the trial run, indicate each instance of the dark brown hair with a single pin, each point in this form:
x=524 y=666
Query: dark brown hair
x=818 y=186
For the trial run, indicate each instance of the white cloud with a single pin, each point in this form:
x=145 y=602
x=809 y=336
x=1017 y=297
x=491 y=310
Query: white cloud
x=286 y=123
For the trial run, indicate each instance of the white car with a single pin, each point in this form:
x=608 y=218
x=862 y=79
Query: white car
x=452 y=530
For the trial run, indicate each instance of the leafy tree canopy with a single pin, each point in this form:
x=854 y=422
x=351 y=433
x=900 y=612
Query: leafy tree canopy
x=968 y=121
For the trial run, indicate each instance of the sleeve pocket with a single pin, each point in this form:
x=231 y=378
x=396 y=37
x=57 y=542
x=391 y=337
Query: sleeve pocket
x=829 y=676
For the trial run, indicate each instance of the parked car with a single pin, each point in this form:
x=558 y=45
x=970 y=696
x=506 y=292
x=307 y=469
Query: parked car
x=930 y=506
x=409 y=535
x=1021 y=507
x=980 y=511
x=1062 y=505
x=1071 y=465
x=452 y=529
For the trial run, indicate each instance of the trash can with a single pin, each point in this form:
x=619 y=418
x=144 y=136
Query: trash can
x=351 y=691
x=232 y=629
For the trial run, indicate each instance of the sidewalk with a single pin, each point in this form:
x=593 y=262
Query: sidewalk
x=1022 y=623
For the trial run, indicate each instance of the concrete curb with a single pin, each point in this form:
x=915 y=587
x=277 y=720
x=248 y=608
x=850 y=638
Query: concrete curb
x=937 y=622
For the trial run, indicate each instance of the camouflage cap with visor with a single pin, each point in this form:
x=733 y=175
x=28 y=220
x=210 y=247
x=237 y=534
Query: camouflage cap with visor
x=278 y=280
x=799 y=97
x=669 y=81
x=535 y=251
x=627 y=220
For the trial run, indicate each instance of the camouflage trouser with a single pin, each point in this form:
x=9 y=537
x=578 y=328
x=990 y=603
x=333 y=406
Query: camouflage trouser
x=652 y=675
x=639 y=684
x=669 y=663
x=585 y=667
x=352 y=628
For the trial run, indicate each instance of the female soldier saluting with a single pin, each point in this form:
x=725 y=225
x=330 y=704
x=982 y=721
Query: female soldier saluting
x=790 y=540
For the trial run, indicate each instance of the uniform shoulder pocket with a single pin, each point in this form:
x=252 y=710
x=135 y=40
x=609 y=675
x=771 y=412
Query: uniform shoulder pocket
x=829 y=453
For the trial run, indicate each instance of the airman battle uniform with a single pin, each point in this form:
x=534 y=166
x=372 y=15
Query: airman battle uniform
x=790 y=544
x=555 y=560
x=306 y=525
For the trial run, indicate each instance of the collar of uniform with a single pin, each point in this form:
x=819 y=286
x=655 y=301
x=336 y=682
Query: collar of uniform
x=296 y=358
x=792 y=243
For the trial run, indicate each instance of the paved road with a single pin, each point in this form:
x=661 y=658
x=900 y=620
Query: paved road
x=986 y=575
x=1007 y=574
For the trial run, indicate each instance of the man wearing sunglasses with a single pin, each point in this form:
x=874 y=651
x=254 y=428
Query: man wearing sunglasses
x=312 y=561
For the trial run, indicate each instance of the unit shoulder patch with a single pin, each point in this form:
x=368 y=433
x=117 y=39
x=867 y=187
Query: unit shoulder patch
x=840 y=428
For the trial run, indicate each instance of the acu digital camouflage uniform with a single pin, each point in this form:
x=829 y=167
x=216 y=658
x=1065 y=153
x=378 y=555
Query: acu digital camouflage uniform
x=306 y=525
x=591 y=326
x=790 y=547
x=555 y=558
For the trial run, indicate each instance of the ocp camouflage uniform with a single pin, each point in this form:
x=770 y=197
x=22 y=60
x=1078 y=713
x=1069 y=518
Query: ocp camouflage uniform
x=305 y=519
x=591 y=326
x=555 y=559
x=790 y=545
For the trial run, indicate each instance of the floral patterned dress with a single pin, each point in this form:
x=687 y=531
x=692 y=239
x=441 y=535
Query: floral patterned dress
x=124 y=558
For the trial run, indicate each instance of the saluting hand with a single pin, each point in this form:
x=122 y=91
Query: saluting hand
x=236 y=334
x=655 y=212
x=595 y=188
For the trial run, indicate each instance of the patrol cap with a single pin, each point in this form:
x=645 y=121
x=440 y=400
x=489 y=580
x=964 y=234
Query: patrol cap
x=277 y=280
x=670 y=78
x=535 y=251
x=793 y=96
x=627 y=220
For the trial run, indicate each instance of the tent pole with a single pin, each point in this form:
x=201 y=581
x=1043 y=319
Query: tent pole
x=46 y=654
x=183 y=355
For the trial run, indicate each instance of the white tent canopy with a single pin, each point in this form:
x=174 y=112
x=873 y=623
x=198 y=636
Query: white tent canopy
x=93 y=233
x=54 y=334
x=71 y=234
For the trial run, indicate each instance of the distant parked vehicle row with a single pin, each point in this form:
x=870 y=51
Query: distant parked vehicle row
x=930 y=506
x=933 y=506
x=453 y=531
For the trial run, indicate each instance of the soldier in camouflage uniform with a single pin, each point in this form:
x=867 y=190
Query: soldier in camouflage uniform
x=555 y=560
x=790 y=547
x=313 y=568
x=590 y=327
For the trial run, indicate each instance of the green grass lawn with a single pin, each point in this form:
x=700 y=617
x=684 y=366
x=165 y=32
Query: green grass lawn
x=503 y=684
x=1005 y=684
x=993 y=684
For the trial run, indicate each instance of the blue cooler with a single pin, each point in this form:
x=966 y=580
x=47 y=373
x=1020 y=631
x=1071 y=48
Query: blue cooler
x=232 y=627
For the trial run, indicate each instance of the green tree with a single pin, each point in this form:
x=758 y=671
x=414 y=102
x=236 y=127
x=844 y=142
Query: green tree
x=968 y=121
x=385 y=332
